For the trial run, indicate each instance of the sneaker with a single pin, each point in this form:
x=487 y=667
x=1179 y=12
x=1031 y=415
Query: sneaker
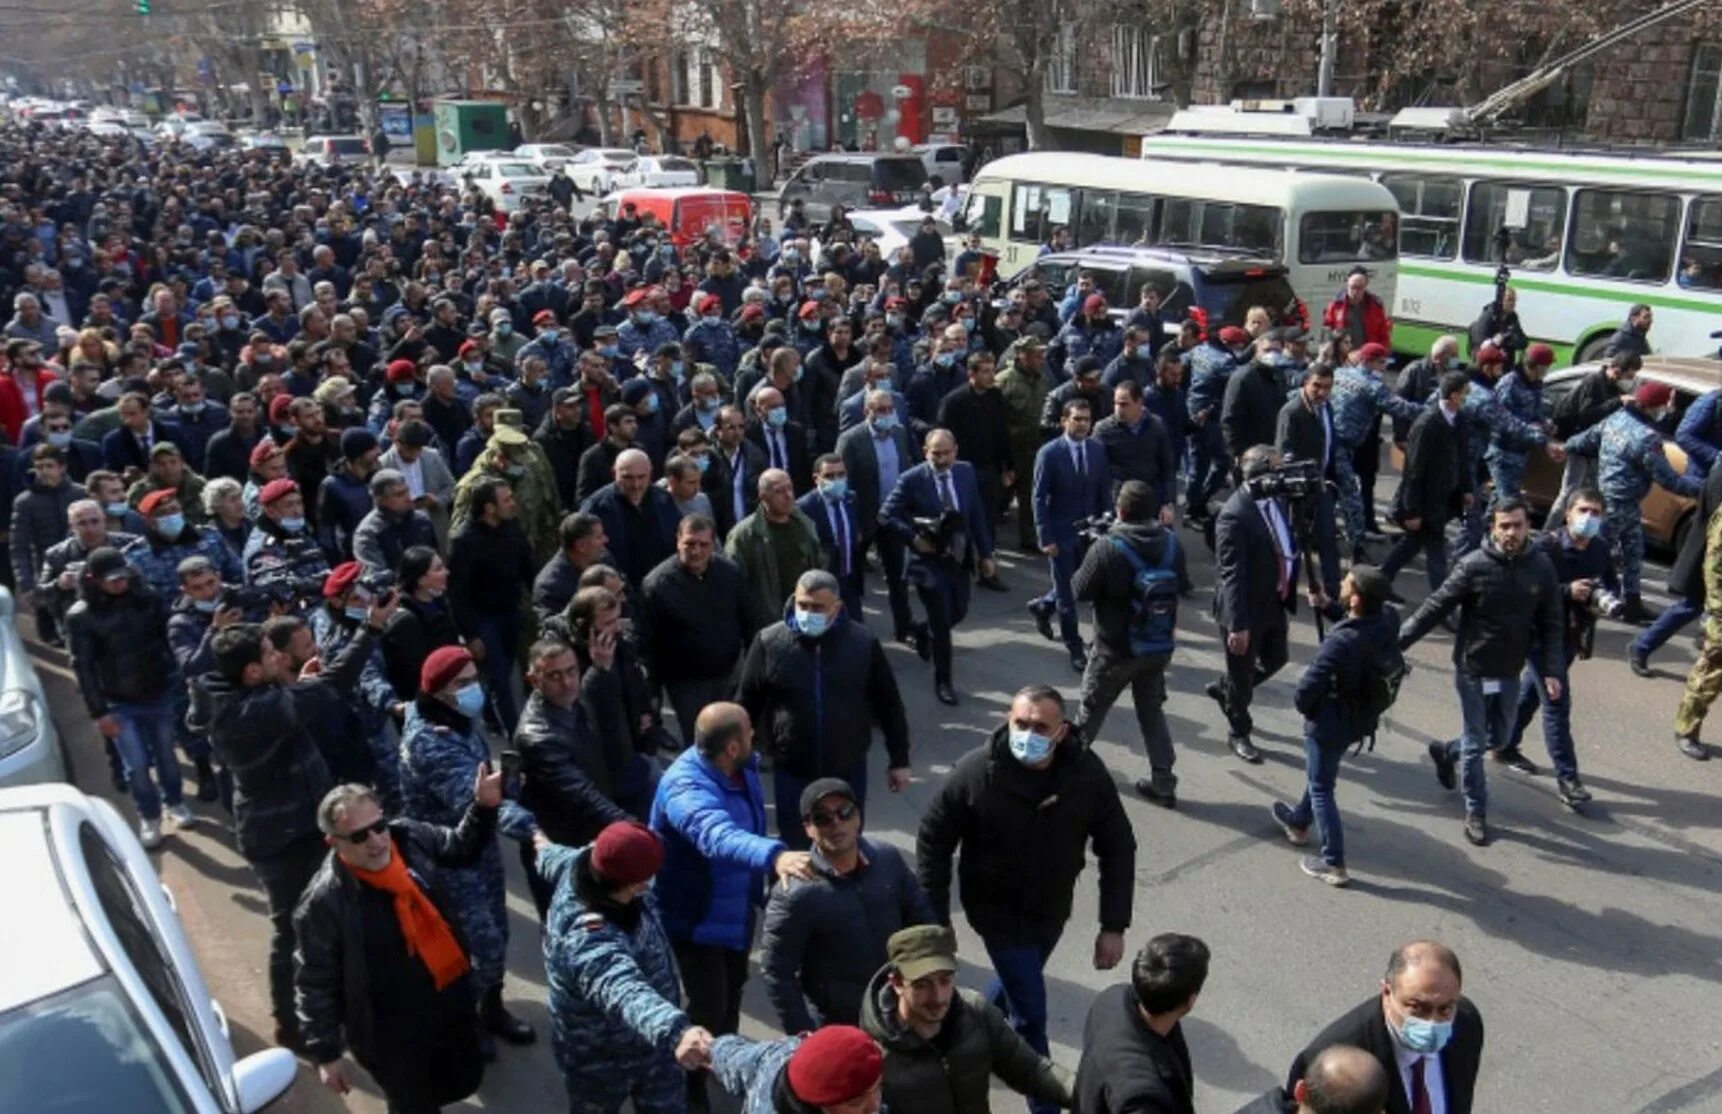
x=1043 y=621
x=1322 y=871
x=149 y=834
x=1166 y=796
x=1446 y=771
x=1640 y=664
x=1572 y=791
x=1079 y=660
x=1692 y=748
x=1243 y=748
x=1476 y=828
x=1296 y=835
x=1514 y=759
x=182 y=816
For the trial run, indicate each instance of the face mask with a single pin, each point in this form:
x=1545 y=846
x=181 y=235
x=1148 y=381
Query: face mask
x=1143 y=352
x=945 y=359
x=705 y=463
x=60 y=438
x=354 y=613
x=885 y=423
x=645 y=317
x=776 y=418
x=1028 y=746
x=192 y=408
x=834 y=490
x=677 y=370
x=474 y=366
x=469 y=699
x=893 y=320
x=1452 y=363
x=207 y=607
x=652 y=403
x=952 y=297
x=263 y=359
x=1586 y=526
x=707 y=405
x=813 y=325
x=502 y=329
x=968 y=324
x=293 y=525
x=229 y=321
x=610 y=351
x=1626 y=386
x=1427 y=1037
x=811 y=623
x=790 y=257
x=115 y=510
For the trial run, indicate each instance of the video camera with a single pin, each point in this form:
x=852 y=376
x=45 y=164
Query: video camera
x=1094 y=527
x=1295 y=481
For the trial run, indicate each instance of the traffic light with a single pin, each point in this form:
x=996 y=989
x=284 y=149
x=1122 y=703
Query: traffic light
x=143 y=7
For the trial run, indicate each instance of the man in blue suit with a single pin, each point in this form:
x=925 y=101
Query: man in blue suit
x=941 y=556
x=832 y=509
x=1071 y=483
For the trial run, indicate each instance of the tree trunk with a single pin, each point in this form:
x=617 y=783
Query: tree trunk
x=753 y=104
x=606 y=137
x=1034 y=114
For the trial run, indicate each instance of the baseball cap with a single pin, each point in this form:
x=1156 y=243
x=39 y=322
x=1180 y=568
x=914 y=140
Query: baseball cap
x=822 y=788
x=921 y=950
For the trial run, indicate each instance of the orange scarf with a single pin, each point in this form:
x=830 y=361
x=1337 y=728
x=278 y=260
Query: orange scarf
x=427 y=934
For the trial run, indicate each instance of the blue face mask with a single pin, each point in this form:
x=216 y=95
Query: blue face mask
x=885 y=422
x=469 y=699
x=707 y=405
x=776 y=418
x=834 y=490
x=208 y=607
x=800 y=370
x=1586 y=526
x=652 y=403
x=293 y=525
x=170 y=525
x=945 y=359
x=59 y=438
x=704 y=461
x=968 y=324
x=1427 y=1037
x=645 y=317
x=811 y=623
x=952 y=297
x=354 y=612
x=813 y=325
x=610 y=350
x=1029 y=747
x=893 y=321
x=502 y=328
x=678 y=370
x=1453 y=363
x=1143 y=352
x=115 y=510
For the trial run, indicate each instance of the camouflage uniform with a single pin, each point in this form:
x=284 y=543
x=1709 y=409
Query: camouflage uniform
x=158 y=567
x=615 y=1012
x=534 y=495
x=437 y=767
x=1211 y=366
x=376 y=697
x=1025 y=392
x=1629 y=460
x=749 y=1069
x=1489 y=422
x=1524 y=400
x=1704 y=683
x=537 y=461
x=1358 y=401
x=632 y=337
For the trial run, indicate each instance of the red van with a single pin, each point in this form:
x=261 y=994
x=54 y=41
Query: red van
x=687 y=212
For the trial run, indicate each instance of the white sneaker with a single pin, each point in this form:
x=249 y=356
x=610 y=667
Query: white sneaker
x=149 y=834
x=182 y=815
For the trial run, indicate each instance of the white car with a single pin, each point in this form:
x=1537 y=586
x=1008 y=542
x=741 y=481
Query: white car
x=334 y=150
x=102 y=1005
x=507 y=183
x=658 y=172
x=266 y=143
x=547 y=156
x=601 y=169
x=944 y=159
x=891 y=229
x=29 y=743
x=473 y=158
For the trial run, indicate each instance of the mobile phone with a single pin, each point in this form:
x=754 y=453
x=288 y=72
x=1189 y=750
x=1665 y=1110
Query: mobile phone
x=511 y=765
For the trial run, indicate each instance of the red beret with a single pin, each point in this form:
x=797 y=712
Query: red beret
x=808 y=309
x=274 y=490
x=280 y=407
x=626 y=853
x=1372 y=351
x=752 y=312
x=1540 y=354
x=262 y=451
x=442 y=666
x=1653 y=394
x=634 y=297
x=544 y=316
x=341 y=578
x=1490 y=354
x=466 y=346
x=895 y=303
x=1231 y=334
x=401 y=371
x=155 y=499
x=703 y=302
x=1094 y=303
x=834 y=1065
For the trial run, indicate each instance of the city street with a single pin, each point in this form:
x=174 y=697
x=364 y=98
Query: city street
x=1591 y=942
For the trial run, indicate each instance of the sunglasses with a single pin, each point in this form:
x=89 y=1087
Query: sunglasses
x=823 y=819
x=363 y=835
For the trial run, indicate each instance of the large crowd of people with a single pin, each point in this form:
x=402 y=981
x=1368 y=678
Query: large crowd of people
x=410 y=523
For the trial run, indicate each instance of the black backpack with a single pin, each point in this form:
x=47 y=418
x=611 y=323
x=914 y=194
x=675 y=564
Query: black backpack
x=1383 y=673
x=1153 y=598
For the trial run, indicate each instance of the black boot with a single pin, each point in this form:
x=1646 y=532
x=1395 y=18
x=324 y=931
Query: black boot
x=207 y=787
x=1638 y=612
x=495 y=1019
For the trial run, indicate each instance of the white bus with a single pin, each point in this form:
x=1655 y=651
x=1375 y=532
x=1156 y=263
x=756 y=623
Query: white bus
x=1587 y=235
x=1318 y=226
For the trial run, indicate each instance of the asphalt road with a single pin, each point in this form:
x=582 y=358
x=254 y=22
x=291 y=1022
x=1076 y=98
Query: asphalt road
x=1591 y=942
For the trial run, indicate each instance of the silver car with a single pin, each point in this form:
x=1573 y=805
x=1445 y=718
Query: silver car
x=29 y=745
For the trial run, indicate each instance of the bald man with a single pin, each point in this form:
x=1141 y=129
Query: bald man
x=1424 y=1033
x=1341 y=1080
x=639 y=517
x=936 y=510
x=773 y=546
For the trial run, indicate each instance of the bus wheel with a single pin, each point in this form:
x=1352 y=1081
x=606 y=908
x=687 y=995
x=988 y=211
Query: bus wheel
x=1593 y=349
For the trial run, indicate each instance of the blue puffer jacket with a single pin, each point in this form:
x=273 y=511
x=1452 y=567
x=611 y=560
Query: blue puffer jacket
x=716 y=853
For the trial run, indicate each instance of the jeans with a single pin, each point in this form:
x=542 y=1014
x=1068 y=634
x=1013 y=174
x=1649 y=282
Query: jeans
x=501 y=637
x=146 y=741
x=1557 y=714
x=284 y=877
x=1675 y=616
x=1321 y=768
x=1433 y=545
x=1107 y=675
x=1019 y=989
x=786 y=791
x=1061 y=595
x=1488 y=725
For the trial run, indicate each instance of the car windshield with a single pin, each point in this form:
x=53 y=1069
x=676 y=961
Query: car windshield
x=84 y=1051
x=347 y=146
x=616 y=156
x=676 y=164
x=518 y=170
x=908 y=228
x=899 y=174
x=1227 y=297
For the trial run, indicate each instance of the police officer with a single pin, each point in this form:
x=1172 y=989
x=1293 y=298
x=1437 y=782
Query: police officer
x=1488 y=423
x=1359 y=399
x=1521 y=395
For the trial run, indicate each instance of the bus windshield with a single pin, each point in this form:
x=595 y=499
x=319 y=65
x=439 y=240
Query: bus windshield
x=1348 y=237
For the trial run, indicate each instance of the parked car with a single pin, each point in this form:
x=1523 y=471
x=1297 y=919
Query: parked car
x=102 y=1005
x=207 y=135
x=1666 y=516
x=30 y=751
x=891 y=229
x=270 y=144
x=688 y=211
x=659 y=172
x=599 y=169
x=548 y=156
x=507 y=183
x=1215 y=288
x=334 y=150
x=855 y=181
x=945 y=160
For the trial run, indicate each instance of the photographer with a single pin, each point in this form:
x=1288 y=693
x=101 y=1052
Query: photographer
x=1304 y=431
x=1133 y=575
x=1588 y=585
x=1256 y=566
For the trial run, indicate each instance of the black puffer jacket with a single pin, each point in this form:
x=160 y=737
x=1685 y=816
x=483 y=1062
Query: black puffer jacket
x=952 y=1074
x=1505 y=604
x=38 y=523
x=567 y=768
x=119 y=647
x=332 y=987
x=1024 y=836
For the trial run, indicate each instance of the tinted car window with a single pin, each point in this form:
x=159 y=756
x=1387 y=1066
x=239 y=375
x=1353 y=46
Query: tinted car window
x=87 y=1051
x=899 y=174
x=347 y=146
x=1228 y=298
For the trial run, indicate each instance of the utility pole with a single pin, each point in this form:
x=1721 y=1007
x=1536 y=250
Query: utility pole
x=1329 y=47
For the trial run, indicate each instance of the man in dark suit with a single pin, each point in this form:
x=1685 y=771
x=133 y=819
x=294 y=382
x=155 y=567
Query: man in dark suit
x=874 y=454
x=126 y=450
x=1435 y=484
x=979 y=418
x=540 y=294
x=782 y=440
x=1424 y=1033
x=1071 y=483
x=831 y=506
x=639 y=517
x=1255 y=590
x=940 y=562
x=732 y=481
x=1304 y=431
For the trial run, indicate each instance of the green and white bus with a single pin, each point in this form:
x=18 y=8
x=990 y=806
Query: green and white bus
x=1588 y=234
x=1319 y=226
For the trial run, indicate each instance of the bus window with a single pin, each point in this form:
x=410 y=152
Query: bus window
x=1617 y=234
x=1191 y=222
x=1094 y=223
x=1429 y=208
x=1347 y=237
x=1701 y=254
x=980 y=215
x=1533 y=216
x=1134 y=223
x=1036 y=210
